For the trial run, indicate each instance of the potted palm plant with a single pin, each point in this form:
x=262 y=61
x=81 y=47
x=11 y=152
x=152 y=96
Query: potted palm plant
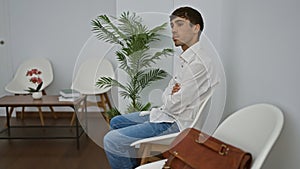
x=134 y=56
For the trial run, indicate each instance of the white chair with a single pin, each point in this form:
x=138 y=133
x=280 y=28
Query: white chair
x=85 y=81
x=20 y=82
x=254 y=129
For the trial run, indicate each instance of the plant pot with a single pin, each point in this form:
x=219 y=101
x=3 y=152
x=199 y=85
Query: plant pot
x=37 y=95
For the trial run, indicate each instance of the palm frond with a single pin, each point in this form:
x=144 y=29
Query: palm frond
x=112 y=27
x=154 y=32
x=124 y=94
x=135 y=107
x=146 y=107
x=138 y=106
x=131 y=24
x=123 y=60
x=105 y=30
x=146 y=59
x=112 y=112
x=157 y=55
x=158 y=28
x=152 y=75
x=104 y=82
x=136 y=60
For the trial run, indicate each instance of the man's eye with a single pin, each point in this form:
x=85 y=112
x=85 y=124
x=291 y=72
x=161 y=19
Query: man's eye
x=180 y=24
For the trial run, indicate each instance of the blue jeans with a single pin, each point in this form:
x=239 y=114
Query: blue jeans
x=125 y=129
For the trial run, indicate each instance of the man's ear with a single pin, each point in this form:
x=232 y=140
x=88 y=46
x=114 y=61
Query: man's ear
x=196 y=28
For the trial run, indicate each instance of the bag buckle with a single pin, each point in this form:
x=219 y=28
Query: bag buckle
x=223 y=150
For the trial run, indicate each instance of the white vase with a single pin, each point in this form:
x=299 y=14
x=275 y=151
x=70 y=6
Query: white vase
x=37 y=95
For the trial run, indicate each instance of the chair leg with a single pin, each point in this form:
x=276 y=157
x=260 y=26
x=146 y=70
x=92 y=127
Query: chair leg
x=102 y=104
x=22 y=112
x=73 y=119
x=53 y=112
x=144 y=151
x=51 y=108
x=41 y=116
x=9 y=114
x=107 y=100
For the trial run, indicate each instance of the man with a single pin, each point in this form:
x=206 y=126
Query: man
x=190 y=86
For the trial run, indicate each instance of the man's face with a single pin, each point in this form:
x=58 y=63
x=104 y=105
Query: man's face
x=183 y=32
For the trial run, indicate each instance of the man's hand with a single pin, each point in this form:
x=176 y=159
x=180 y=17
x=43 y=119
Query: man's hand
x=176 y=88
x=144 y=113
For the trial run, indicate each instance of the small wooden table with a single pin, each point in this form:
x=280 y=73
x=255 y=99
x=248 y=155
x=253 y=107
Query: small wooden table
x=12 y=101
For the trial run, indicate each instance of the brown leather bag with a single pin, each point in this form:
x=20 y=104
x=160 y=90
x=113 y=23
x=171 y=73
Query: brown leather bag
x=193 y=149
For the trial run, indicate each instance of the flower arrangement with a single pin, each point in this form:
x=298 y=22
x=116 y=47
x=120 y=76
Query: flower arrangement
x=35 y=78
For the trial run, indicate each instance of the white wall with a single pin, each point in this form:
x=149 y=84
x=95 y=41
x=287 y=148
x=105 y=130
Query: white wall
x=53 y=29
x=257 y=40
x=260 y=46
x=5 y=65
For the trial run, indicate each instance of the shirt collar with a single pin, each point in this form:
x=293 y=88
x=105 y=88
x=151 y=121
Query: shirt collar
x=187 y=55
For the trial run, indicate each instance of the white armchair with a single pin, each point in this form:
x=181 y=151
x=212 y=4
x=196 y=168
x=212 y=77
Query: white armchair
x=85 y=81
x=254 y=129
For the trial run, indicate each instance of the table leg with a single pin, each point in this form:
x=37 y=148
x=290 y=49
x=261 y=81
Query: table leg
x=77 y=131
x=8 y=114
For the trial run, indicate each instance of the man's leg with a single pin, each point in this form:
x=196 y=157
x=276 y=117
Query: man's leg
x=126 y=120
x=117 y=142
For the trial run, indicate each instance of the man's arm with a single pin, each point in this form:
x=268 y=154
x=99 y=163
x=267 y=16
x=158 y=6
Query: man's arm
x=191 y=87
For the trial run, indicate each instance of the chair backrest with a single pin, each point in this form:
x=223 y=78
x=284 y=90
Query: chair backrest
x=20 y=81
x=254 y=129
x=88 y=74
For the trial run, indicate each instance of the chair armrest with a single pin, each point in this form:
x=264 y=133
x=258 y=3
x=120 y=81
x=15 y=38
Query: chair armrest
x=156 y=164
x=164 y=139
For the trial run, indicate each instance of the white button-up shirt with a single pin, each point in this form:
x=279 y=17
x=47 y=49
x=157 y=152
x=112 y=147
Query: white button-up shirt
x=196 y=77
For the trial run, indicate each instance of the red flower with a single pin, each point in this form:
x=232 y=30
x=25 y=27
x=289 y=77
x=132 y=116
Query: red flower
x=33 y=72
x=35 y=79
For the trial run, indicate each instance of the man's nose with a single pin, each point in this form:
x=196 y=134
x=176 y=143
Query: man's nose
x=174 y=30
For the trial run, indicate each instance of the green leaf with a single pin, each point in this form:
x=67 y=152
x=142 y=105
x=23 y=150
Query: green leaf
x=105 y=31
x=105 y=82
x=112 y=112
x=152 y=75
x=39 y=87
x=146 y=107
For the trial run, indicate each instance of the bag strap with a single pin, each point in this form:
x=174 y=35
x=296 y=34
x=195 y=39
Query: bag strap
x=168 y=162
x=203 y=139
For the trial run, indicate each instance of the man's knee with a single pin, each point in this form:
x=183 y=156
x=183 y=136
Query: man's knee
x=114 y=121
x=109 y=138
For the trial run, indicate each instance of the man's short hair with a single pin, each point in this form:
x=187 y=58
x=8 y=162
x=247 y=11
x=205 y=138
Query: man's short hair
x=190 y=14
